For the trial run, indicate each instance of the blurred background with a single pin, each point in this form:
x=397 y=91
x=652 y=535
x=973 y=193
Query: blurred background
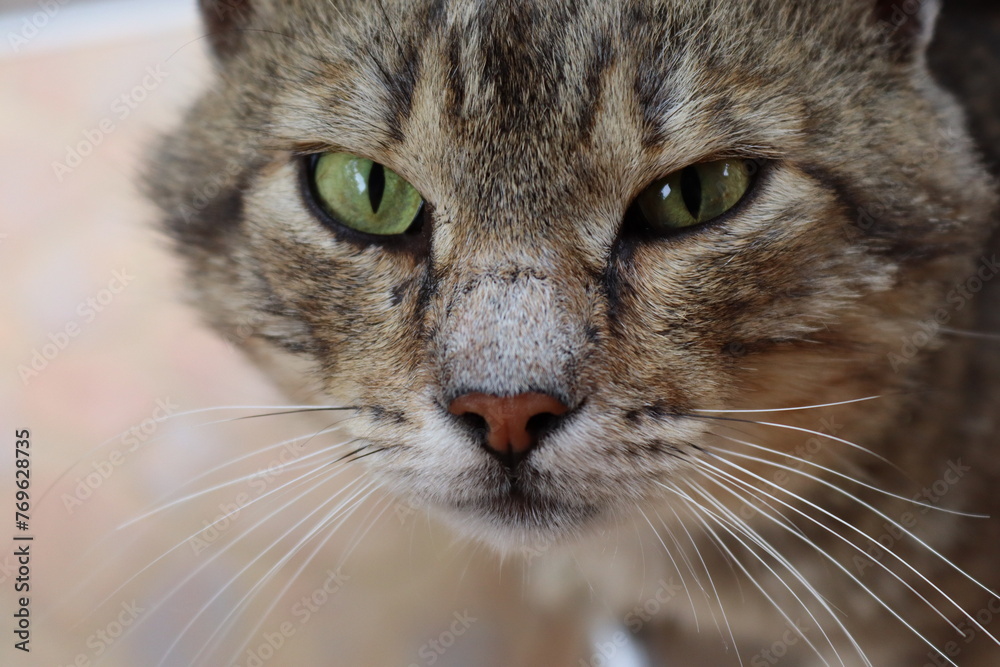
x=115 y=379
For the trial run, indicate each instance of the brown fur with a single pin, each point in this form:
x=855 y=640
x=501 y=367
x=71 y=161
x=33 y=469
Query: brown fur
x=529 y=127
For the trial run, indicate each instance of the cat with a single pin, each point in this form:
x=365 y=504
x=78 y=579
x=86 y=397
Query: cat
x=723 y=270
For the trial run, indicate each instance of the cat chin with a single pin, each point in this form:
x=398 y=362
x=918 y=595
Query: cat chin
x=513 y=527
x=513 y=540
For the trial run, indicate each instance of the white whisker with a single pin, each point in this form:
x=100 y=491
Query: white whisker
x=980 y=335
x=779 y=519
x=256 y=558
x=831 y=471
x=298 y=481
x=332 y=428
x=233 y=616
x=839 y=565
x=673 y=561
x=894 y=523
x=742 y=528
x=715 y=591
x=288 y=485
x=800 y=407
x=809 y=431
x=708 y=573
x=223 y=485
x=288 y=409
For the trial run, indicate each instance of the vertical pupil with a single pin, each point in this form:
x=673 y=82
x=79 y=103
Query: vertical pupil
x=376 y=186
x=691 y=191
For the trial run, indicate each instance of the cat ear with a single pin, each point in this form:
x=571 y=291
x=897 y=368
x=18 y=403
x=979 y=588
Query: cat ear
x=907 y=25
x=224 y=19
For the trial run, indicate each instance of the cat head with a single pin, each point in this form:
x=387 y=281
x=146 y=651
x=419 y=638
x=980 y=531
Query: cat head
x=587 y=223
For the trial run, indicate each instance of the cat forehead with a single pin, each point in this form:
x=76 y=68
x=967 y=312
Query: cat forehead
x=544 y=69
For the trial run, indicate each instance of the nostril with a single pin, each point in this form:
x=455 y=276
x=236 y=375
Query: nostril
x=541 y=424
x=476 y=423
x=512 y=424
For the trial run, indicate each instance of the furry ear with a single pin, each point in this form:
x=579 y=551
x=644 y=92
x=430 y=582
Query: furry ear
x=224 y=20
x=907 y=25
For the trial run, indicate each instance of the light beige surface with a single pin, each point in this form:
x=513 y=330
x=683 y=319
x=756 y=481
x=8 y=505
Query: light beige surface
x=96 y=346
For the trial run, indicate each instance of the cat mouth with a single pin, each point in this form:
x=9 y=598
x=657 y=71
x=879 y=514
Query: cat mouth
x=518 y=505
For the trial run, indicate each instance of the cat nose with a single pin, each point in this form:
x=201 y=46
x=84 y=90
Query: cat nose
x=512 y=423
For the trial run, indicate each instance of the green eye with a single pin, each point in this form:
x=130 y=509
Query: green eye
x=364 y=195
x=694 y=195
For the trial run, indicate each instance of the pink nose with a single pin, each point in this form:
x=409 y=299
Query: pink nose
x=512 y=422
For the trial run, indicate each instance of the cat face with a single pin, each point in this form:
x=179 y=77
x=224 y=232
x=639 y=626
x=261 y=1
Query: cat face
x=529 y=131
